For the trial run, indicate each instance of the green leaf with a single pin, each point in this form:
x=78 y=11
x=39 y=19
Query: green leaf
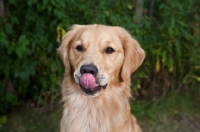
x=3 y=39
x=178 y=51
x=12 y=2
x=8 y=27
x=3 y=120
x=50 y=47
x=20 y=50
x=11 y=98
x=196 y=77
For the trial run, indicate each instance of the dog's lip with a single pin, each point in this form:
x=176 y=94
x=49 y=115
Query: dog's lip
x=92 y=91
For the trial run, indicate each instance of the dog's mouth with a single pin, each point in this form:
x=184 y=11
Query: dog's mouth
x=89 y=84
x=92 y=91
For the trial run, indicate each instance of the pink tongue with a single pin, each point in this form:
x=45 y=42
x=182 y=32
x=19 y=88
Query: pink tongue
x=87 y=80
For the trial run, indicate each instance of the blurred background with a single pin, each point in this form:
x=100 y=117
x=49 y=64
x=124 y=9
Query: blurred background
x=165 y=89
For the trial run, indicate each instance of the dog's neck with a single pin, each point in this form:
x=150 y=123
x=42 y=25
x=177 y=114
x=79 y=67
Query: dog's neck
x=81 y=108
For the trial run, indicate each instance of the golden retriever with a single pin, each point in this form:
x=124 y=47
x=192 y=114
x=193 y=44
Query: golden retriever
x=98 y=62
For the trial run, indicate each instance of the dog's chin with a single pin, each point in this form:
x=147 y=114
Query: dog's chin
x=93 y=91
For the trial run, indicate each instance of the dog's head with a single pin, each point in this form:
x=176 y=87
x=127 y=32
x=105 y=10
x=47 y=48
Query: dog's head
x=97 y=56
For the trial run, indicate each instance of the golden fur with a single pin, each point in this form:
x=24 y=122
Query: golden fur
x=108 y=110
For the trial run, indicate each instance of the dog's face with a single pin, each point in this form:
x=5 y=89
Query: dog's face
x=97 y=56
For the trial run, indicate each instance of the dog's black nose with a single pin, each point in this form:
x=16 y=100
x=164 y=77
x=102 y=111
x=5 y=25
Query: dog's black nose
x=89 y=69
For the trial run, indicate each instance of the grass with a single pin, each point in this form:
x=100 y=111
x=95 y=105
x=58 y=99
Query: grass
x=172 y=113
x=32 y=120
x=172 y=103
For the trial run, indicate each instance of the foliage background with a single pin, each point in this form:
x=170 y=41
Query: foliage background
x=30 y=32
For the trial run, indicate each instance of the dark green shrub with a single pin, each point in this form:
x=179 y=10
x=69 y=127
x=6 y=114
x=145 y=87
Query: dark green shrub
x=172 y=43
x=28 y=52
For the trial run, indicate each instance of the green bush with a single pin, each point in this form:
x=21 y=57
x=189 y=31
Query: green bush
x=28 y=52
x=172 y=43
x=31 y=70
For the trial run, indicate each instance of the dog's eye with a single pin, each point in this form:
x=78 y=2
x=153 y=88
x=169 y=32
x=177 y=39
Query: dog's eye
x=109 y=50
x=79 y=48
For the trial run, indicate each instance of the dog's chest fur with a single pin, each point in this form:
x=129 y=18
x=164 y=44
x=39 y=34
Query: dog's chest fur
x=88 y=114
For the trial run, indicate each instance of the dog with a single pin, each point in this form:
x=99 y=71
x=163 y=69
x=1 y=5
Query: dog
x=99 y=61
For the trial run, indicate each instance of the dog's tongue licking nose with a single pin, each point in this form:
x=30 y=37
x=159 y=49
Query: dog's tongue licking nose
x=88 y=81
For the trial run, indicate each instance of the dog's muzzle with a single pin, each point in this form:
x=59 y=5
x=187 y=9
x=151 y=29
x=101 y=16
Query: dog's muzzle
x=88 y=82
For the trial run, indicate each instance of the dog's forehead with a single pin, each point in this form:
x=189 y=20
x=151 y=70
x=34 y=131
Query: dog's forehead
x=98 y=34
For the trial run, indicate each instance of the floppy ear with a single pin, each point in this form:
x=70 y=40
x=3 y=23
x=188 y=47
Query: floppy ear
x=133 y=54
x=63 y=50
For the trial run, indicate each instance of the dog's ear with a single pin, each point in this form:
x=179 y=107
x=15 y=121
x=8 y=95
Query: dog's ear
x=63 y=49
x=133 y=54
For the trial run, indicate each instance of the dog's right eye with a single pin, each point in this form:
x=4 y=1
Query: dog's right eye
x=109 y=50
x=79 y=48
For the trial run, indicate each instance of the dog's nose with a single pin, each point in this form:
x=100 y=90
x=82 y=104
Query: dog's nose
x=89 y=69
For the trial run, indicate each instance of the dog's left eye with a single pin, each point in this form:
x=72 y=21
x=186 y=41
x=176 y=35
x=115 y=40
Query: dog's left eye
x=79 y=48
x=109 y=50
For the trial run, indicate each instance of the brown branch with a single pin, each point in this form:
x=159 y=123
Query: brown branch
x=138 y=11
x=151 y=10
x=2 y=13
